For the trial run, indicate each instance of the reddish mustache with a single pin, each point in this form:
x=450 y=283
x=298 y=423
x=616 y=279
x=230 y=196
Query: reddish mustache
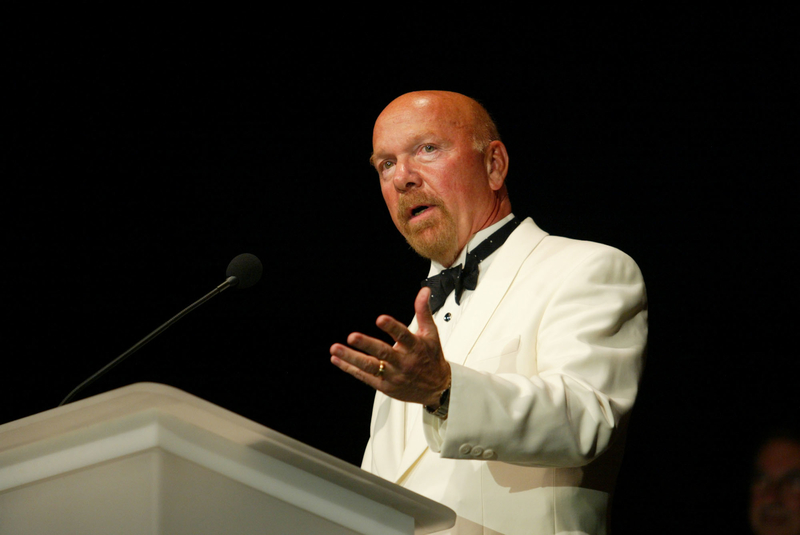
x=407 y=202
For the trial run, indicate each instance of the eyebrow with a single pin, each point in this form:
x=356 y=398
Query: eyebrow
x=416 y=140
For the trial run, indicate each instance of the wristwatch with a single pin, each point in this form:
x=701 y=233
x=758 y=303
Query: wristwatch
x=444 y=405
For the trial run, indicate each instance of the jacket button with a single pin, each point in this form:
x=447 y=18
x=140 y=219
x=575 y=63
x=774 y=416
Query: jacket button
x=477 y=451
x=465 y=449
x=488 y=453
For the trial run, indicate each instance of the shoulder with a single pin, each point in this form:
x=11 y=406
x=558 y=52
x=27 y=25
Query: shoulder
x=531 y=252
x=564 y=258
x=530 y=233
x=574 y=249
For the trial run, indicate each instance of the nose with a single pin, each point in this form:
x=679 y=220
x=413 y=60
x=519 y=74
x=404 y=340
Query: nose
x=405 y=176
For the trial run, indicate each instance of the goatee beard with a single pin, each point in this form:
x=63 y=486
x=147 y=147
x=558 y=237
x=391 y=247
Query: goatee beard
x=435 y=237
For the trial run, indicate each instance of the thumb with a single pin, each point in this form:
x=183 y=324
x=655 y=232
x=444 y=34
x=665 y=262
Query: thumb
x=422 y=309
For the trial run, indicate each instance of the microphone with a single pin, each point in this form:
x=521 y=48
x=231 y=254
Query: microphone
x=246 y=269
x=243 y=272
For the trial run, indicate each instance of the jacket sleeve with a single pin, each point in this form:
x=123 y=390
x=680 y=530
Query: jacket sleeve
x=577 y=369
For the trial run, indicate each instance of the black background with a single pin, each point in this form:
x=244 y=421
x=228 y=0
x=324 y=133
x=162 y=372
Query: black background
x=142 y=159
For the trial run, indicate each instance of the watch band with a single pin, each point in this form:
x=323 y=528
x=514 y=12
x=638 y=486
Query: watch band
x=444 y=405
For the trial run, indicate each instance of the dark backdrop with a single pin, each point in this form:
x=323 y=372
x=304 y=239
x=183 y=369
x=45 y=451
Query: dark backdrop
x=140 y=162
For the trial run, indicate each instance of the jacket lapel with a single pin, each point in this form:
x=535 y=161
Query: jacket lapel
x=388 y=440
x=492 y=287
x=416 y=444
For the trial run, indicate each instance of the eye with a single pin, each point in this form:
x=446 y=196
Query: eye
x=428 y=149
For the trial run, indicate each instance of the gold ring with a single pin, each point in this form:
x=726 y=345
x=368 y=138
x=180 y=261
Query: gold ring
x=382 y=366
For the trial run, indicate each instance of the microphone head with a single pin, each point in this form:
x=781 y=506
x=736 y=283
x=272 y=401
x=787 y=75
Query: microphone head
x=246 y=268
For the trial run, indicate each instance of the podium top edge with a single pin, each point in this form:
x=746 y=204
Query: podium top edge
x=120 y=403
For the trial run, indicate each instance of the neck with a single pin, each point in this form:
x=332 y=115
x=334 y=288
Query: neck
x=472 y=239
x=500 y=210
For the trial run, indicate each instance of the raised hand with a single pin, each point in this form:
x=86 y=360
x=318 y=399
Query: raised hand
x=413 y=369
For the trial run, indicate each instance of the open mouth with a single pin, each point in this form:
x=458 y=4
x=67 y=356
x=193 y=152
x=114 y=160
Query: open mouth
x=411 y=207
x=417 y=210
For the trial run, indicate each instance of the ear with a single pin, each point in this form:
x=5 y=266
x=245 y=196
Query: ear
x=496 y=161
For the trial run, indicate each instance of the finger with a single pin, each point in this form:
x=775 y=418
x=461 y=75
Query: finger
x=422 y=309
x=396 y=330
x=371 y=346
x=355 y=358
x=360 y=366
x=355 y=371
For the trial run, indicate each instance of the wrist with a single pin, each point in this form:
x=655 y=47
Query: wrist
x=442 y=405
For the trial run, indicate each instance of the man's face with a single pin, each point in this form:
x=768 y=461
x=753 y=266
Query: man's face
x=775 y=490
x=433 y=179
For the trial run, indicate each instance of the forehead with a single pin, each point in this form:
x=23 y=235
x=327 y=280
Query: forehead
x=420 y=117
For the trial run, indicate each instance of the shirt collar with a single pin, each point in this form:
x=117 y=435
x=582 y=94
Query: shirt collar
x=473 y=242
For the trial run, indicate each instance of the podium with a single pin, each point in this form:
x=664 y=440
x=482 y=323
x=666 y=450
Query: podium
x=152 y=459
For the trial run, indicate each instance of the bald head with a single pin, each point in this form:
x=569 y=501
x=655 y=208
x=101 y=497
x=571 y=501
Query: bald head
x=442 y=170
x=469 y=112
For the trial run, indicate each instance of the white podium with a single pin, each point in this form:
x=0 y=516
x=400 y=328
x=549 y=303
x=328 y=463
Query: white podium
x=151 y=459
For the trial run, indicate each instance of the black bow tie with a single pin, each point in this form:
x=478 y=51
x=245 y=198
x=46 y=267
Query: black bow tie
x=466 y=278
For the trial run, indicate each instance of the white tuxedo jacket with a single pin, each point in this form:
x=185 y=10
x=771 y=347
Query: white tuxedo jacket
x=545 y=364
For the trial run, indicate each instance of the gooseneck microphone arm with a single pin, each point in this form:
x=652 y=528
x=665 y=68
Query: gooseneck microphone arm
x=243 y=272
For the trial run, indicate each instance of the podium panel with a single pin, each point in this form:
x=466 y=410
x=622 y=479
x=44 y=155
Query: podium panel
x=151 y=459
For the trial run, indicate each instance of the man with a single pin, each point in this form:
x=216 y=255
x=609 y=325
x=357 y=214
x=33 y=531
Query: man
x=508 y=402
x=775 y=487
